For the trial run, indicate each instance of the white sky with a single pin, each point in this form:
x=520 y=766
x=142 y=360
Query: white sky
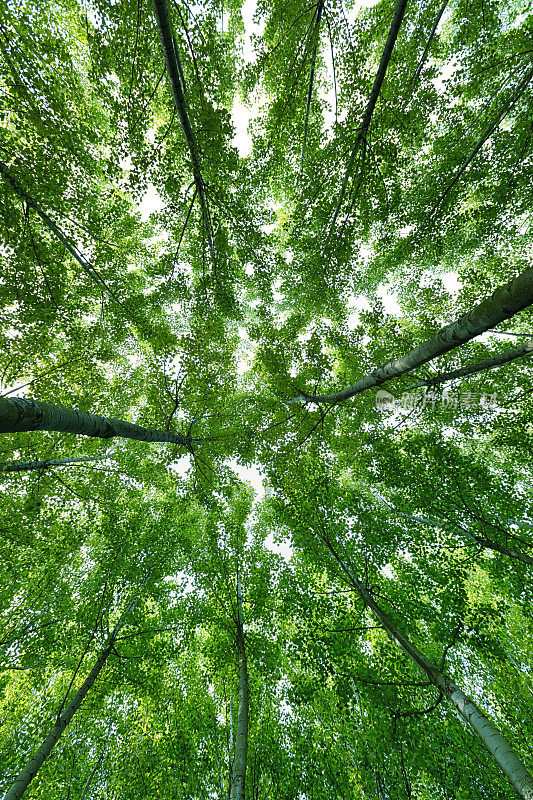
x=249 y=475
x=241 y=114
x=151 y=202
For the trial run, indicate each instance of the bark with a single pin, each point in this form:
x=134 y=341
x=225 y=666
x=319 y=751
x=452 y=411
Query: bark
x=522 y=350
x=30 y=770
x=22 y=414
x=502 y=753
x=34 y=764
x=24 y=466
x=174 y=71
x=501 y=305
x=376 y=88
x=241 y=743
x=230 y=747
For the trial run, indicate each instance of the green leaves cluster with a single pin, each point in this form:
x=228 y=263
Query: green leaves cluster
x=113 y=302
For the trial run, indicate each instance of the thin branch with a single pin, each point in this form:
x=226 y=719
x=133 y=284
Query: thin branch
x=376 y=88
x=320 y=8
x=428 y=44
x=143 y=109
x=526 y=78
x=420 y=711
x=174 y=70
x=521 y=351
x=51 y=225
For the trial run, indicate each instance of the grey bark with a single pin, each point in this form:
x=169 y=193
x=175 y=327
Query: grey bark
x=231 y=751
x=502 y=753
x=501 y=305
x=24 y=466
x=34 y=764
x=22 y=414
x=175 y=76
x=241 y=740
x=376 y=88
x=32 y=767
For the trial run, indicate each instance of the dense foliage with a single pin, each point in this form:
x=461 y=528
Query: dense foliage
x=388 y=190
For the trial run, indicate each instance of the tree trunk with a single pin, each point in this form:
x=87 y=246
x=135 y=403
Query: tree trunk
x=505 y=757
x=173 y=72
x=24 y=466
x=30 y=770
x=501 y=305
x=230 y=748
x=241 y=743
x=22 y=414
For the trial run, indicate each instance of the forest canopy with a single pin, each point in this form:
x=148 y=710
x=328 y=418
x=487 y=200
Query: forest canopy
x=266 y=281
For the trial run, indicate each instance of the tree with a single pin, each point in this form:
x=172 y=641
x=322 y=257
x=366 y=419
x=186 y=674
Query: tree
x=362 y=627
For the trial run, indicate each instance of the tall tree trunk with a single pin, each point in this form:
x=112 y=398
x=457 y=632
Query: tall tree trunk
x=22 y=414
x=32 y=767
x=241 y=743
x=231 y=753
x=505 y=757
x=34 y=764
x=501 y=305
x=25 y=466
